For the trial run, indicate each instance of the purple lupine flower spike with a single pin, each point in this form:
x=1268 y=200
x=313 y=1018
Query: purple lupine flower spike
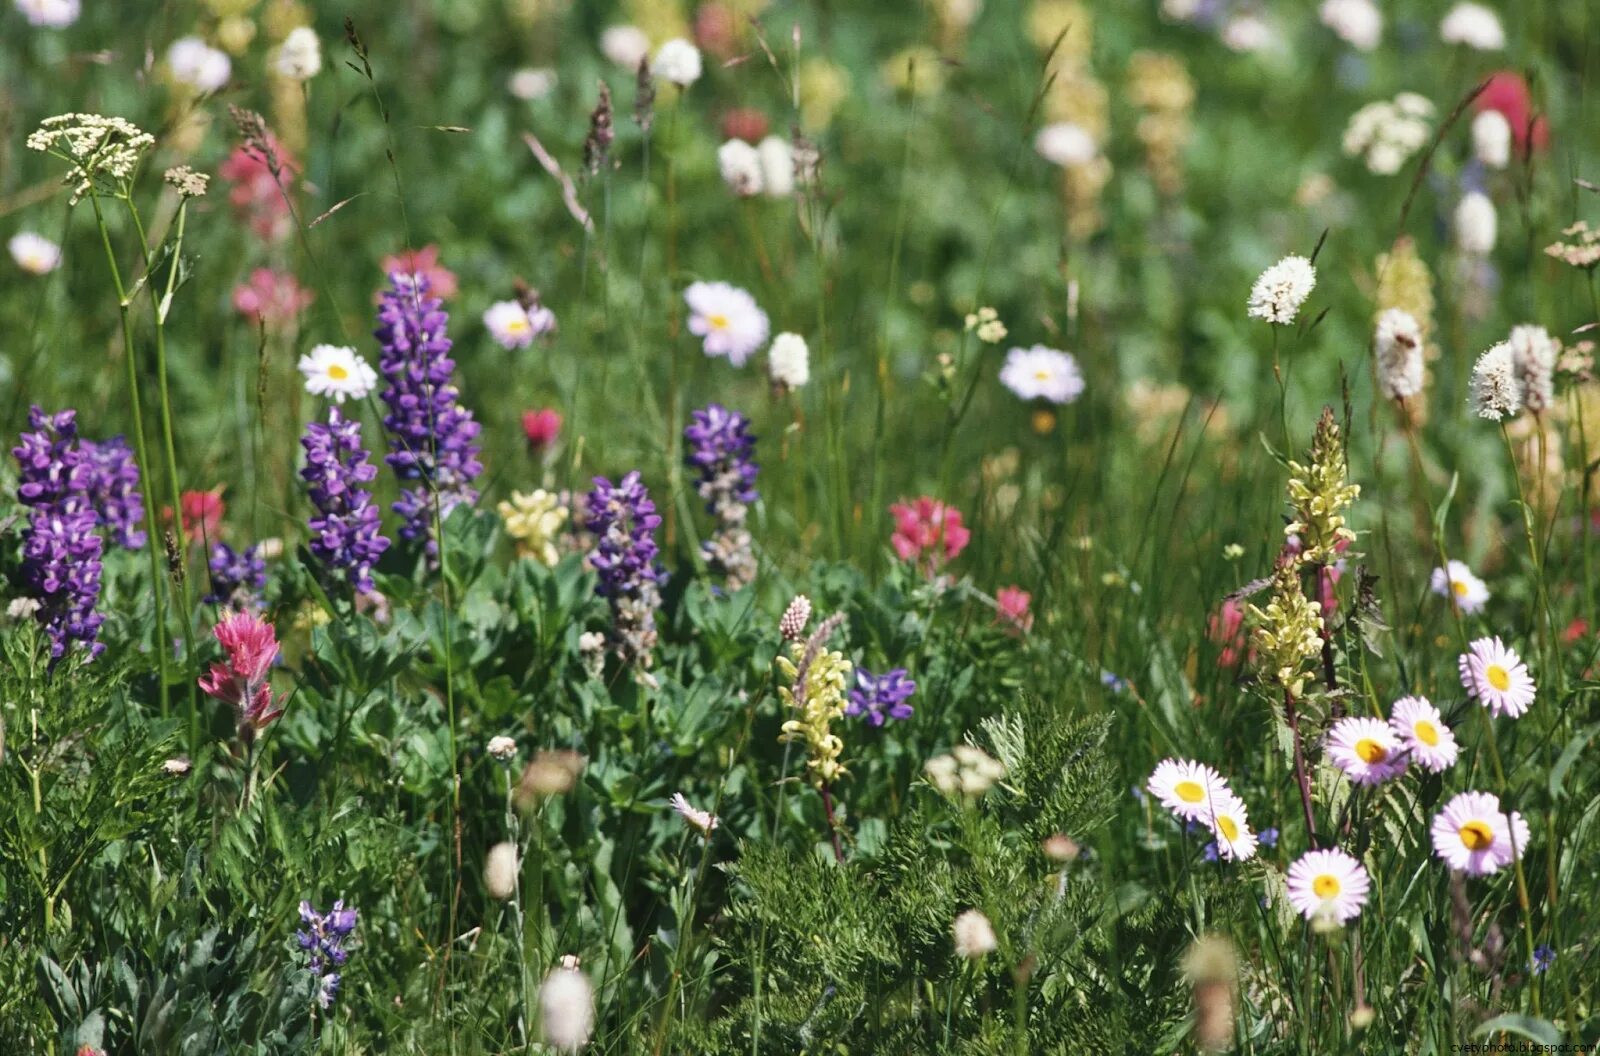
x=431 y=436
x=324 y=938
x=346 y=533
x=624 y=520
x=115 y=490
x=720 y=449
x=238 y=577
x=61 y=547
x=878 y=697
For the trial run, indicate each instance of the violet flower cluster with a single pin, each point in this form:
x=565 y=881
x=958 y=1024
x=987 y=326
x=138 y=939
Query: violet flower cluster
x=115 y=490
x=877 y=697
x=624 y=521
x=324 y=938
x=238 y=577
x=345 y=534
x=60 y=548
x=431 y=436
x=720 y=450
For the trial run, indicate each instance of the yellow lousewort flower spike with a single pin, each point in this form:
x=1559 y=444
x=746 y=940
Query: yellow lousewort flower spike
x=1288 y=633
x=817 y=702
x=1320 y=495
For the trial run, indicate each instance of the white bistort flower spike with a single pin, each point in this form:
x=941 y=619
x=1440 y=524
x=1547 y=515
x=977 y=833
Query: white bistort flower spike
x=1533 y=351
x=1495 y=391
x=500 y=871
x=196 y=64
x=740 y=165
x=1065 y=144
x=973 y=934
x=566 y=1008
x=1358 y=23
x=625 y=45
x=1398 y=348
x=1281 y=290
x=789 y=361
x=300 y=56
x=1476 y=224
x=1473 y=25
x=678 y=62
x=1491 y=139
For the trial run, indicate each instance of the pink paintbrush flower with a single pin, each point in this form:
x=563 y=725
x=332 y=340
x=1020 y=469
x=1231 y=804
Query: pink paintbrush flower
x=252 y=648
x=928 y=531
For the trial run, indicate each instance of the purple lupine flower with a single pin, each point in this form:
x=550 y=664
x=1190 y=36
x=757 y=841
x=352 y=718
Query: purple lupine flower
x=237 y=576
x=430 y=434
x=115 y=490
x=720 y=450
x=624 y=521
x=347 y=533
x=61 y=547
x=324 y=938
x=881 y=696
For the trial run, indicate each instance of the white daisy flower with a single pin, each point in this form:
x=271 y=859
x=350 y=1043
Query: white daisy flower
x=513 y=325
x=337 y=372
x=299 y=58
x=1491 y=139
x=196 y=64
x=727 y=318
x=1367 y=750
x=1473 y=835
x=1422 y=733
x=1476 y=224
x=627 y=46
x=703 y=820
x=34 y=253
x=1397 y=345
x=50 y=14
x=677 y=61
x=1456 y=581
x=789 y=361
x=1065 y=144
x=1474 y=25
x=1187 y=788
x=1041 y=373
x=1358 y=23
x=1280 y=291
x=1328 y=884
x=1230 y=824
x=1497 y=677
x=1495 y=391
x=740 y=165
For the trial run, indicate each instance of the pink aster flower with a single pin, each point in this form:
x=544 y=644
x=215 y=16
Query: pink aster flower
x=257 y=194
x=1474 y=835
x=273 y=297
x=928 y=531
x=1329 y=884
x=425 y=262
x=1367 y=750
x=1012 y=606
x=1495 y=675
x=252 y=648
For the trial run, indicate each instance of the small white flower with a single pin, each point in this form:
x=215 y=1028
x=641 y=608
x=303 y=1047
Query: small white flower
x=727 y=319
x=1456 y=581
x=1366 y=749
x=529 y=84
x=1495 y=392
x=740 y=165
x=1472 y=834
x=196 y=64
x=566 y=1008
x=1230 y=825
x=50 y=14
x=789 y=361
x=677 y=61
x=176 y=766
x=1042 y=373
x=1358 y=23
x=300 y=56
x=23 y=608
x=1533 y=351
x=974 y=935
x=1493 y=674
x=1422 y=731
x=1248 y=32
x=1491 y=139
x=34 y=253
x=627 y=46
x=1397 y=345
x=336 y=371
x=1385 y=134
x=1476 y=224
x=777 y=166
x=1328 y=884
x=512 y=325
x=1065 y=144
x=502 y=748
x=703 y=820
x=1189 y=789
x=1474 y=25
x=1280 y=291
x=500 y=871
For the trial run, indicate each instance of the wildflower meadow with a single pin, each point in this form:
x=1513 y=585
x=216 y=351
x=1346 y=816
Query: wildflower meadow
x=758 y=527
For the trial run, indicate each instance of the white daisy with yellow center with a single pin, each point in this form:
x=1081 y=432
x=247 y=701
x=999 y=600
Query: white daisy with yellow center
x=1230 y=824
x=1367 y=750
x=1423 y=734
x=1189 y=789
x=1041 y=373
x=337 y=372
x=1465 y=590
x=514 y=325
x=1474 y=835
x=1497 y=677
x=728 y=320
x=1328 y=885
x=34 y=253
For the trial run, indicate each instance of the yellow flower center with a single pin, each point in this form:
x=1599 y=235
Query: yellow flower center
x=1426 y=732
x=1326 y=886
x=1498 y=677
x=516 y=326
x=1189 y=791
x=1476 y=835
x=1228 y=827
x=1041 y=375
x=338 y=373
x=1371 y=751
x=1459 y=587
x=718 y=322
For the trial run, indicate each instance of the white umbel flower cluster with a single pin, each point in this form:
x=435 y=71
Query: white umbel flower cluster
x=625 y=45
x=1358 y=23
x=1280 y=291
x=1495 y=391
x=1398 y=348
x=1534 y=352
x=1491 y=139
x=1387 y=133
x=1476 y=224
x=103 y=148
x=1473 y=25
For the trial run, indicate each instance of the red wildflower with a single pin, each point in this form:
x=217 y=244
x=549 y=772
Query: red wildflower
x=927 y=530
x=1225 y=627
x=1013 y=605
x=716 y=29
x=202 y=513
x=425 y=262
x=746 y=123
x=252 y=647
x=542 y=427
x=271 y=296
x=1509 y=94
x=257 y=195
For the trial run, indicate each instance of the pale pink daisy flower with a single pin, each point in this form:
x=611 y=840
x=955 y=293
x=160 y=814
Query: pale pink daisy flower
x=1367 y=750
x=703 y=820
x=1456 y=580
x=1423 y=734
x=1497 y=677
x=1328 y=884
x=727 y=318
x=1042 y=373
x=1230 y=824
x=513 y=325
x=1187 y=788
x=1474 y=835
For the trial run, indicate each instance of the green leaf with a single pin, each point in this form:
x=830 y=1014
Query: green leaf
x=1569 y=755
x=1541 y=1030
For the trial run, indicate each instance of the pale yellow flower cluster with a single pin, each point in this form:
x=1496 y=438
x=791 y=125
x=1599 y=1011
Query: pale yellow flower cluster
x=1288 y=632
x=534 y=520
x=1320 y=494
x=817 y=701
